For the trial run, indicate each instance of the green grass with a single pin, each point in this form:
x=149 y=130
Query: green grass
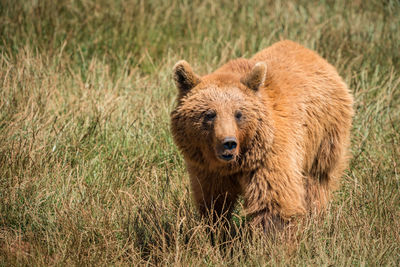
x=89 y=173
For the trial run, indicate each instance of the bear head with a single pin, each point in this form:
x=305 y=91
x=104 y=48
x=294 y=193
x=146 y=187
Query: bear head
x=220 y=117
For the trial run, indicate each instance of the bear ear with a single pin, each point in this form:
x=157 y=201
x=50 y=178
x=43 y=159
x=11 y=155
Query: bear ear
x=256 y=77
x=185 y=78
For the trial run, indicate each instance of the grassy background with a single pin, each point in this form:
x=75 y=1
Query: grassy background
x=89 y=173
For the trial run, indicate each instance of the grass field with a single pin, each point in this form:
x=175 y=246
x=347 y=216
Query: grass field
x=89 y=174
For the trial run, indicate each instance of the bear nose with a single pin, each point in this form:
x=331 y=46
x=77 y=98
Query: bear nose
x=230 y=143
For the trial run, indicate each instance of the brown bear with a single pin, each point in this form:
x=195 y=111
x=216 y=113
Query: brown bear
x=273 y=128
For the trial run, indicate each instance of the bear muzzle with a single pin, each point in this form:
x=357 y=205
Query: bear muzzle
x=227 y=149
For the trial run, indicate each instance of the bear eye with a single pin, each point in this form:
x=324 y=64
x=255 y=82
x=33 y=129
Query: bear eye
x=210 y=115
x=238 y=115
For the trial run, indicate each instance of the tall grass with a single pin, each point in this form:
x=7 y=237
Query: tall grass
x=89 y=173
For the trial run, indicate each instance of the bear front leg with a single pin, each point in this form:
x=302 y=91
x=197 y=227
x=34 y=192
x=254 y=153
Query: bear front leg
x=273 y=197
x=215 y=203
x=213 y=198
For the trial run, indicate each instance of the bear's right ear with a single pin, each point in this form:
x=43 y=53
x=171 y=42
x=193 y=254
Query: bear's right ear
x=185 y=78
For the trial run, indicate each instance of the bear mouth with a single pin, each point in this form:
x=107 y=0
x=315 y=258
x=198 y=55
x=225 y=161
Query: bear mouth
x=226 y=157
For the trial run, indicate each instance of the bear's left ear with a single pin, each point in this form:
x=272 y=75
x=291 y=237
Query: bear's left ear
x=185 y=78
x=256 y=77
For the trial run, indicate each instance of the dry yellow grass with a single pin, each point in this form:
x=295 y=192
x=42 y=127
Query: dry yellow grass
x=88 y=170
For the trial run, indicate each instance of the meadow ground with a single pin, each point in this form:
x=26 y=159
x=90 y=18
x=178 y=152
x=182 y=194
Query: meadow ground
x=89 y=173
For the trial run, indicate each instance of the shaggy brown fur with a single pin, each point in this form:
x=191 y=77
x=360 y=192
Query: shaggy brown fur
x=274 y=128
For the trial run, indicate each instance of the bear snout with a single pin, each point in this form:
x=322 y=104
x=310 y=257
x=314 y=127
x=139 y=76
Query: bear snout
x=227 y=149
x=230 y=143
